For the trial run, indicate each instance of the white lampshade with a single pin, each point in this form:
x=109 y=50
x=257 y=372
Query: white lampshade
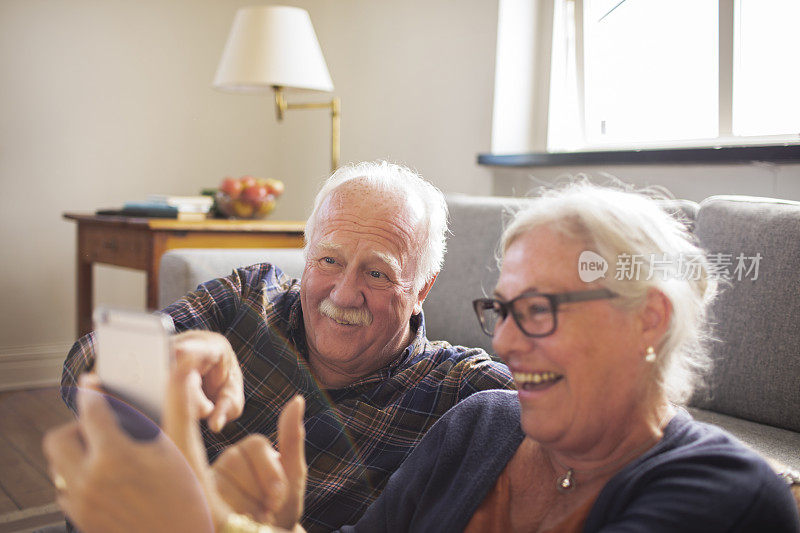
x=272 y=46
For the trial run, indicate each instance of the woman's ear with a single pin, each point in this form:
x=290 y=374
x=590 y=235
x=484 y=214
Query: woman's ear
x=655 y=317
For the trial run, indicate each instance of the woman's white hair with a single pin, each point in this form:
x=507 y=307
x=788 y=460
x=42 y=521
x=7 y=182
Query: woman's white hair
x=385 y=177
x=645 y=248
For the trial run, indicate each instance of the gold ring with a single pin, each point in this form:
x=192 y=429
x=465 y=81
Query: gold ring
x=59 y=482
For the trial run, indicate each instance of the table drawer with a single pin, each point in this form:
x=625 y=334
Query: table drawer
x=115 y=246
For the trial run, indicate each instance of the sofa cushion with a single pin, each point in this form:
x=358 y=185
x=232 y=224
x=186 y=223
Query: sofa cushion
x=779 y=444
x=184 y=269
x=756 y=372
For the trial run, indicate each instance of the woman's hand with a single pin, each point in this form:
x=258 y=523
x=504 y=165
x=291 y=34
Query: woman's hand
x=255 y=479
x=108 y=482
x=250 y=477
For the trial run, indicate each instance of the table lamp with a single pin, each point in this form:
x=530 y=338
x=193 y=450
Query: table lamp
x=272 y=48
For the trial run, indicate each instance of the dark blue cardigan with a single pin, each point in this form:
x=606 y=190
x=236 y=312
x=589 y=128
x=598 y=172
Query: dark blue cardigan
x=696 y=478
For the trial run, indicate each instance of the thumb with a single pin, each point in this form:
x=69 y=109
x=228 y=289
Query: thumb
x=180 y=418
x=291 y=438
x=291 y=441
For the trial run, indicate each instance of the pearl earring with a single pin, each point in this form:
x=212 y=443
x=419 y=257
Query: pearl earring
x=651 y=355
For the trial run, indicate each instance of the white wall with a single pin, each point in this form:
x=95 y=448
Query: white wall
x=106 y=101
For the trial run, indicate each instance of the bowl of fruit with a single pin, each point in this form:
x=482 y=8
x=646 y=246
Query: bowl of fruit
x=248 y=197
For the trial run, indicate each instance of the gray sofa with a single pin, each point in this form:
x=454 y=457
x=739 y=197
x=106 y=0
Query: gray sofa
x=754 y=388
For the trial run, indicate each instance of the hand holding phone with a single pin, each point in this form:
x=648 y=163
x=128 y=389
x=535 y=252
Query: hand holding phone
x=136 y=352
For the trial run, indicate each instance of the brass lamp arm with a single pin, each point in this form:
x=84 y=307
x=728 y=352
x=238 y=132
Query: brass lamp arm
x=281 y=106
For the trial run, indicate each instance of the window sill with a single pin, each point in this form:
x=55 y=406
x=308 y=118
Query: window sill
x=783 y=153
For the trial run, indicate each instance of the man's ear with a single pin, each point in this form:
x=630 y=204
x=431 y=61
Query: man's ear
x=655 y=317
x=423 y=293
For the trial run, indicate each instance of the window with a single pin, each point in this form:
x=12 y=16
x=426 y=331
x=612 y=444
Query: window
x=766 y=76
x=650 y=70
x=666 y=73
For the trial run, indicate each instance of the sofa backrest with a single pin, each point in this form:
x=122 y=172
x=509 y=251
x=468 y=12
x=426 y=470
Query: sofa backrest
x=470 y=268
x=182 y=270
x=757 y=315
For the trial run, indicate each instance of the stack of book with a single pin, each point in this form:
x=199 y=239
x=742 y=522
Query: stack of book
x=166 y=206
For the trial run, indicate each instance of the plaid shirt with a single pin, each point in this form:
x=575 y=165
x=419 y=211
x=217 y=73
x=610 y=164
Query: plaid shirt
x=356 y=437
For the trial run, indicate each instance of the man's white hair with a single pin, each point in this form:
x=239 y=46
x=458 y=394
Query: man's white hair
x=385 y=177
x=618 y=224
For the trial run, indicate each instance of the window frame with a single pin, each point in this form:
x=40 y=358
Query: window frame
x=726 y=45
x=726 y=147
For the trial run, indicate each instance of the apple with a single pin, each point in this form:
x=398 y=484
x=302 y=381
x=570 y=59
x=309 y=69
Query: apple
x=232 y=187
x=247 y=181
x=266 y=206
x=242 y=209
x=276 y=186
x=254 y=194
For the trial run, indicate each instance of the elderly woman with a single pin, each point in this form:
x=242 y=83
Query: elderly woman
x=594 y=439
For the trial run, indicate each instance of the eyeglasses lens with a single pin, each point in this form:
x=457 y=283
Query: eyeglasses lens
x=490 y=313
x=534 y=314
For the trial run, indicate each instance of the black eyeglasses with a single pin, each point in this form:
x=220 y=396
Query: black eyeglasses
x=535 y=313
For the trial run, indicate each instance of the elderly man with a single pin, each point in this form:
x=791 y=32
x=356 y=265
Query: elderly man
x=350 y=338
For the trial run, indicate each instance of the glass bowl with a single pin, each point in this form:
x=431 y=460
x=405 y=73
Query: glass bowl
x=245 y=207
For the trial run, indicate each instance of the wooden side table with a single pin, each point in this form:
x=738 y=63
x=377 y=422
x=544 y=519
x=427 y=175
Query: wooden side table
x=139 y=243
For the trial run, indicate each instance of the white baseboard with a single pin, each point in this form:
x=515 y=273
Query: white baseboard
x=38 y=365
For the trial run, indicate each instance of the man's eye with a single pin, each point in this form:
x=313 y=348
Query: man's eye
x=329 y=260
x=376 y=274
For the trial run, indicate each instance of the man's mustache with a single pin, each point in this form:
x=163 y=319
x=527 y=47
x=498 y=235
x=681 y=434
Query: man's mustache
x=345 y=315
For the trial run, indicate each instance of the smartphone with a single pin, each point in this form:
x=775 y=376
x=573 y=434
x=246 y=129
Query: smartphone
x=134 y=357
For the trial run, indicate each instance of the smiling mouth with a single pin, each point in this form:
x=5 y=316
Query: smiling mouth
x=531 y=381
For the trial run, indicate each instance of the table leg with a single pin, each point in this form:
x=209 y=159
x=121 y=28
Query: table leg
x=84 y=296
x=158 y=246
x=152 y=289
